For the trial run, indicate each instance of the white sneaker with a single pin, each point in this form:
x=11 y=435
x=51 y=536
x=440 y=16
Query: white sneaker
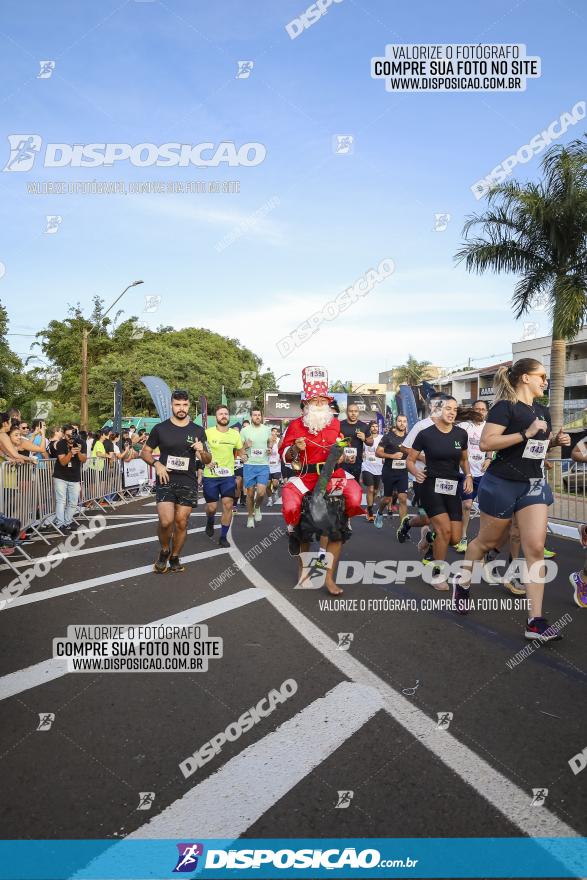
x=270 y=502
x=250 y=522
x=258 y=514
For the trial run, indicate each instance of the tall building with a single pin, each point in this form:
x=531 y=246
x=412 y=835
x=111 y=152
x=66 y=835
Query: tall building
x=575 y=404
x=470 y=385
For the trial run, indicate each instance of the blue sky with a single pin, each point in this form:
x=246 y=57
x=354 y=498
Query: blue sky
x=159 y=72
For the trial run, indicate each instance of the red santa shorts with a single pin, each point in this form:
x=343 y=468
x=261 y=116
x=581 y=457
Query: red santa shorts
x=295 y=489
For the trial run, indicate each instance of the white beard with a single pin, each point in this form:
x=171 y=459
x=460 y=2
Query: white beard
x=315 y=418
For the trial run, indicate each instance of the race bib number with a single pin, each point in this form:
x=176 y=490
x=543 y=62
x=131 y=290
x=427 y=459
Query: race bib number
x=222 y=472
x=535 y=449
x=476 y=456
x=257 y=453
x=398 y=464
x=445 y=487
x=177 y=463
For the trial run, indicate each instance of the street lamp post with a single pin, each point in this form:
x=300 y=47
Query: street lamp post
x=84 y=384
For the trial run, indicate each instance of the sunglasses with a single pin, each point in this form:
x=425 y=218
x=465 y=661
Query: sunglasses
x=543 y=376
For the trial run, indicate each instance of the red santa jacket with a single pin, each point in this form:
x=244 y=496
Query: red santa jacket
x=317 y=445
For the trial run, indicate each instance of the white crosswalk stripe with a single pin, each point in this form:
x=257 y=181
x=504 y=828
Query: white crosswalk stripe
x=48 y=670
x=67 y=589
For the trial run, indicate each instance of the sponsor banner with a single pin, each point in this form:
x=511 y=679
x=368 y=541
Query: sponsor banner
x=293 y=857
x=282 y=405
x=135 y=473
x=369 y=405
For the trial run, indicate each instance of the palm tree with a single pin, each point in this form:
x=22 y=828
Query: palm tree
x=539 y=232
x=413 y=372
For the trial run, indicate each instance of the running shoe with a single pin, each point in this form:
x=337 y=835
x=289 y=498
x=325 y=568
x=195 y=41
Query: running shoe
x=428 y=557
x=160 y=565
x=209 y=530
x=515 y=587
x=393 y=509
x=461 y=547
x=7 y=551
x=378 y=521
x=370 y=517
x=293 y=544
x=537 y=629
x=175 y=564
x=460 y=596
x=423 y=544
x=549 y=554
x=321 y=564
x=270 y=502
x=403 y=532
x=258 y=514
x=489 y=575
x=440 y=586
x=580 y=589
x=250 y=522
x=224 y=542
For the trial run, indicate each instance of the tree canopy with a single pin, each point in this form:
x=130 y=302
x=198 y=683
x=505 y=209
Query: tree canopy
x=194 y=358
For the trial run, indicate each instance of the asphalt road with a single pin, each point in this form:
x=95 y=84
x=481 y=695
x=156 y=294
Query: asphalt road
x=364 y=717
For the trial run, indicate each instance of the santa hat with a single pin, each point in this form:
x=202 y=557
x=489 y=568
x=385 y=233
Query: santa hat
x=315 y=382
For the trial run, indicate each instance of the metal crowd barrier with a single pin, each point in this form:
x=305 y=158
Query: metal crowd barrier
x=568 y=481
x=26 y=494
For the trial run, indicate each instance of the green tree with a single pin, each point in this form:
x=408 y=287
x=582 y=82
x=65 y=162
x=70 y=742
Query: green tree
x=10 y=364
x=195 y=359
x=539 y=232
x=413 y=372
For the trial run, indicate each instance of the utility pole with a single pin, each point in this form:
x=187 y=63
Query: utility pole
x=84 y=382
x=84 y=389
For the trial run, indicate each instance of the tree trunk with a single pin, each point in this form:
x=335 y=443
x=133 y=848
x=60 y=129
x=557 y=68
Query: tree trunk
x=557 y=387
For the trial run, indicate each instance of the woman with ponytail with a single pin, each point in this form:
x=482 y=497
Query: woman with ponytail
x=519 y=431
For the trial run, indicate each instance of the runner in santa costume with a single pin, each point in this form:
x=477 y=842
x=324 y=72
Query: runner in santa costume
x=305 y=446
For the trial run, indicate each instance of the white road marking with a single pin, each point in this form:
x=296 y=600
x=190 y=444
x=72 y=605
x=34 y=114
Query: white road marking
x=48 y=670
x=103 y=548
x=67 y=589
x=234 y=797
x=511 y=801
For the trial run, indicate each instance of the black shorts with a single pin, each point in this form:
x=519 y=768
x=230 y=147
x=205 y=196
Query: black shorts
x=436 y=503
x=354 y=469
x=369 y=479
x=395 y=481
x=184 y=496
x=238 y=472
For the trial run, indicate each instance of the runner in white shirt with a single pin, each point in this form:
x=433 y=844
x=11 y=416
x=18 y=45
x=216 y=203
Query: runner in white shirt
x=472 y=419
x=371 y=469
x=274 y=468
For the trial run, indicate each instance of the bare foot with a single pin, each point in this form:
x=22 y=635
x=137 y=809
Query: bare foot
x=332 y=588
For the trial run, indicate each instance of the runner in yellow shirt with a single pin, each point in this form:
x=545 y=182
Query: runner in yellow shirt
x=219 y=480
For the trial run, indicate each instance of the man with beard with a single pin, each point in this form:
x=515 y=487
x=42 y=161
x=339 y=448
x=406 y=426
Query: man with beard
x=358 y=436
x=179 y=441
x=219 y=482
x=306 y=443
